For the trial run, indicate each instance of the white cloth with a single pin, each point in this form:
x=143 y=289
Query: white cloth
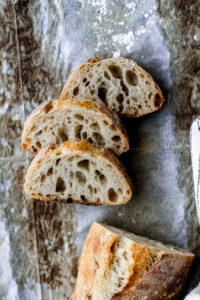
x=195 y=153
x=194 y=295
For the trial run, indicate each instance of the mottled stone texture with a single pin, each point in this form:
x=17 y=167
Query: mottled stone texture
x=42 y=235
x=41 y=42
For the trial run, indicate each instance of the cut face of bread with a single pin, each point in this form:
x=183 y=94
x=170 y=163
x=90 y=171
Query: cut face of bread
x=54 y=122
x=118 y=82
x=118 y=265
x=78 y=172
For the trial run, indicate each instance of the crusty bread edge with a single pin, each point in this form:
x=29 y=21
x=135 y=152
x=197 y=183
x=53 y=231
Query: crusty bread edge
x=82 y=146
x=96 y=246
x=184 y=262
x=147 y=283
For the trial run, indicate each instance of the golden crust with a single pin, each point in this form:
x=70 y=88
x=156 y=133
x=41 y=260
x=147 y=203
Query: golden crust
x=156 y=274
x=52 y=106
x=90 y=63
x=164 y=280
x=96 y=251
x=76 y=148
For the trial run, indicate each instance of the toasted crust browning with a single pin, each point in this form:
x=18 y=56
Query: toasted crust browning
x=55 y=121
x=96 y=251
x=80 y=171
x=119 y=82
x=150 y=270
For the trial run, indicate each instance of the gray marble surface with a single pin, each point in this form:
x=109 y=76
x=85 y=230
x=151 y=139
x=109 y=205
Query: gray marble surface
x=41 y=42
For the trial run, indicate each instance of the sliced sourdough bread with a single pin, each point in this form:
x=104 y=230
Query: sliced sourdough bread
x=54 y=122
x=78 y=172
x=119 y=82
x=117 y=265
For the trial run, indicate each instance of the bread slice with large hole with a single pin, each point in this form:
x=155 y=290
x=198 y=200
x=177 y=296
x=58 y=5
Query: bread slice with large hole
x=117 y=265
x=119 y=82
x=78 y=172
x=54 y=122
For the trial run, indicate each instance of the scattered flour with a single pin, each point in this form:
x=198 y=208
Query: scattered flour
x=124 y=39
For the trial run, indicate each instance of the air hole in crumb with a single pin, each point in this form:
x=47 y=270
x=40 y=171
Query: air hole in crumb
x=39 y=132
x=124 y=87
x=150 y=95
x=116 y=138
x=78 y=117
x=102 y=179
x=105 y=122
x=112 y=195
x=120 y=190
x=43 y=178
x=83 y=198
x=50 y=172
x=112 y=127
x=92 y=92
x=38 y=144
x=97 y=172
x=107 y=75
x=62 y=135
x=120 y=98
x=102 y=93
x=157 y=100
x=99 y=139
x=57 y=161
x=60 y=185
x=90 y=188
x=98 y=200
x=115 y=71
x=90 y=140
x=125 y=254
x=80 y=177
x=33 y=128
x=87 y=83
x=76 y=91
x=95 y=190
x=77 y=132
x=69 y=200
x=84 y=164
x=140 y=106
x=84 y=135
x=131 y=77
x=94 y=126
x=28 y=140
x=141 y=75
x=84 y=79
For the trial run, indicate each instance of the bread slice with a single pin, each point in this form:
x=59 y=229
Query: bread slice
x=117 y=265
x=78 y=172
x=119 y=82
x=54 y=122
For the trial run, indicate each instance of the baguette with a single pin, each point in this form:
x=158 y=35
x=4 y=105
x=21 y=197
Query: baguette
x=117 y=265
x=54 y=122
x=78 y=172
x=119 y=82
